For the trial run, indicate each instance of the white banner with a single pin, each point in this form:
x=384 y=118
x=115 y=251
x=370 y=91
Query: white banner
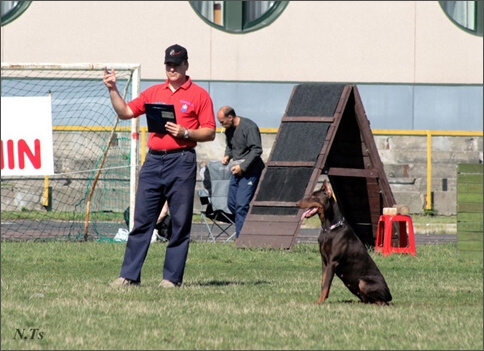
x=27 y=143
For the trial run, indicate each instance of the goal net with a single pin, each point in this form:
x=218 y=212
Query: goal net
x=95 y=157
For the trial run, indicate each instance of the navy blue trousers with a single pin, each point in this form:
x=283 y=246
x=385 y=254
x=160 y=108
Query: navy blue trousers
x=172 y=178
x=241 y=190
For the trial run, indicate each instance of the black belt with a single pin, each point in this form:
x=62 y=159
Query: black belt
x=166 y=152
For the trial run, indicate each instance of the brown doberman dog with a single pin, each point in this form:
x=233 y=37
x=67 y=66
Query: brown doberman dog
x=342 y=252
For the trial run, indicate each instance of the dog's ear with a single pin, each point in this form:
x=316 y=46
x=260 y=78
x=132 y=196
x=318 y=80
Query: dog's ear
x=326 y=188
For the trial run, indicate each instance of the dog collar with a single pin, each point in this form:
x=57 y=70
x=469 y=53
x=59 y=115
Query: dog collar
x=336 y=225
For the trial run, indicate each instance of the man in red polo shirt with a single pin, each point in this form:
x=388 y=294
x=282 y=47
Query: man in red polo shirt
x=170 y=169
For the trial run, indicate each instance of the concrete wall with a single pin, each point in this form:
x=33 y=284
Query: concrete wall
x=404 y=159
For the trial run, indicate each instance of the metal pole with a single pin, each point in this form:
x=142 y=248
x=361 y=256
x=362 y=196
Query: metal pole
x=134 y=150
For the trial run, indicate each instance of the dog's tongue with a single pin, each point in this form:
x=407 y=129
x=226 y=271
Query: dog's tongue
x=309 y=212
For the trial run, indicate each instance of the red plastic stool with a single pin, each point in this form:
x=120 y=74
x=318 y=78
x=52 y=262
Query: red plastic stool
x=406 y=242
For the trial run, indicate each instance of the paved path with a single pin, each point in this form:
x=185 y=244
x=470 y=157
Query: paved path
x=35 y=230
x=310 y=235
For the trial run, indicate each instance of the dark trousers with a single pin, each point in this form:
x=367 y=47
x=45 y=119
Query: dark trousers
x=171 y=177
x=241 y=190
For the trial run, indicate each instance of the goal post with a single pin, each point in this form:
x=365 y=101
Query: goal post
x=96 y=155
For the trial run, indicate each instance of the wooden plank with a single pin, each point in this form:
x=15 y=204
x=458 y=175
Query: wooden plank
x=470 y=168
x=470 y=207
x=469 y=226
x=469 y=217
x=470 y=245
x=352 y=172
x=372 y=150
x=289 y=164
x=274 y=218
x=298 y=119
x=469 y=187
x=274 y=203
x=269 y=231
x=269 y=228
x=469 y=197
x=267 y=242
x=333 y=128
x=469 y=236
x=473 y=178
x=471 y=255
x=343 y=100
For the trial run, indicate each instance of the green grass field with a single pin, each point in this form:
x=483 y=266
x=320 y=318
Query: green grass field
x=55 y=297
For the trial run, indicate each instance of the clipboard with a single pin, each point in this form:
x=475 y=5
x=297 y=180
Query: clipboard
x=157 y=115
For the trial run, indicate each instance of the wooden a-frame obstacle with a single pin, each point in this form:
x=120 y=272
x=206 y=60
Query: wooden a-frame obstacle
x=324 y=131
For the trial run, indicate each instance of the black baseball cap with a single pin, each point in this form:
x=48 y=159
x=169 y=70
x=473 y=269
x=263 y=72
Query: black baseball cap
x=176 y=54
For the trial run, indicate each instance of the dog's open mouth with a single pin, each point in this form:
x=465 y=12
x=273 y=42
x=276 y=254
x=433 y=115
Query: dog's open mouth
x=309 y=212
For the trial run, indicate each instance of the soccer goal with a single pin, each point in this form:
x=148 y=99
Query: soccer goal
x=96 y=155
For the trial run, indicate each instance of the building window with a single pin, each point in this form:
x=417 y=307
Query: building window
x=11 y=10
x=467 y=15
x=239 y=16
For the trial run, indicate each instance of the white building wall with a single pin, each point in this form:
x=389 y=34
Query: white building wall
x=323 y=41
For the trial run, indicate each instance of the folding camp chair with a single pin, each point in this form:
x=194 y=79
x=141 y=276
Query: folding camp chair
x=213 y=199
